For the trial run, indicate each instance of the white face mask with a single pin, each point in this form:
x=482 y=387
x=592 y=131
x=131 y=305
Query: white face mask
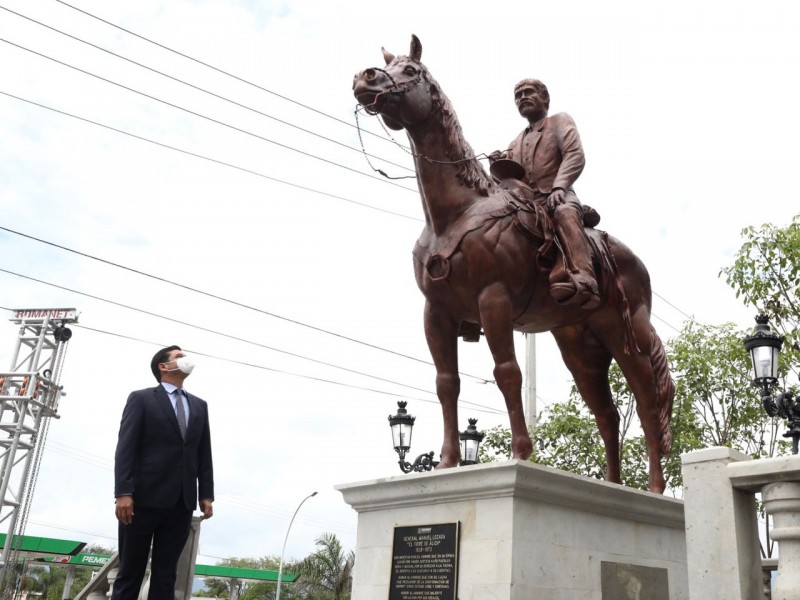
x=184 y=364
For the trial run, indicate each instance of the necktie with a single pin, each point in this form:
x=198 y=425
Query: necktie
x=180 y=412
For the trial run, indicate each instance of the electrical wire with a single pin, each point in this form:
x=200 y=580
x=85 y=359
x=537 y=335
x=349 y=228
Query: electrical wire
x=206 y=117
x=229 y=301
x=689 y=317
x=229 y=499
x=217 y=69
x=201 y=89
x=477 y=407
x=209 y=159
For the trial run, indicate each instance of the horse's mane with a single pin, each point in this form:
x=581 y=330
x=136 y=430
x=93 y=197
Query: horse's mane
x=470 y=172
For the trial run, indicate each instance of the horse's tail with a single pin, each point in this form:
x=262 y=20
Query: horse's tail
x=665 y=390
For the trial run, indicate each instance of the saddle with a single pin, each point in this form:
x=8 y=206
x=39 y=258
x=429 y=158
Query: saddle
x=531 y=217
x=510 y=175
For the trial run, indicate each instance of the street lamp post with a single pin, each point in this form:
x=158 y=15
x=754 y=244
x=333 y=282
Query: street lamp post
x=286 y=539
x=764 y=347
x=402 y=425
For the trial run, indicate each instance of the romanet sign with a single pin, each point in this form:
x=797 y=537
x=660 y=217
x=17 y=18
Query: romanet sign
x=38 y=315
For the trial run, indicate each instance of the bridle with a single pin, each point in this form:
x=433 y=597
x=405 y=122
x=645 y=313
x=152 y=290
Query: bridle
x=395 y=90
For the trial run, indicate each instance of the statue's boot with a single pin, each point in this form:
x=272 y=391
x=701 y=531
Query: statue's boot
x=572 y=280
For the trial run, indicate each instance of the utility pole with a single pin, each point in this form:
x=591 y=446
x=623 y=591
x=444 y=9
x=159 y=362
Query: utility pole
x=29 y=395
x=530 y=379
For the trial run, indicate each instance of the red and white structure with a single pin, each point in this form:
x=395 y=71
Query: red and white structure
x=29 y=396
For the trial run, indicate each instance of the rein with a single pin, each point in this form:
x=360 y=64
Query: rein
x=399 y=89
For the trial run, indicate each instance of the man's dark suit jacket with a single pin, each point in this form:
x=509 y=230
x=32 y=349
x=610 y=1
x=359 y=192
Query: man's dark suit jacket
x=152 y=462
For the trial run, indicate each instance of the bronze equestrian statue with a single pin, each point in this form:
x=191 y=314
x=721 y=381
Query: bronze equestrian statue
x=485 y=258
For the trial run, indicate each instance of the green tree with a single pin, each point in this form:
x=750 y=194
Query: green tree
x=329 y=570
x=713 y=369
x=766 y=274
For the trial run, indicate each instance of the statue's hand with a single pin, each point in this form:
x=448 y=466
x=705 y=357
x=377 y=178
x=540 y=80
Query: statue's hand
x=496 y=155
x=556 y=197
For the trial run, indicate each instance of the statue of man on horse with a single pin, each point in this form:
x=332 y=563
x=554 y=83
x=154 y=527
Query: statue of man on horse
x=550 y=151
x=485 y=259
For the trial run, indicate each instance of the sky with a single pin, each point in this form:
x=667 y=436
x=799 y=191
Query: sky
x=209 y=190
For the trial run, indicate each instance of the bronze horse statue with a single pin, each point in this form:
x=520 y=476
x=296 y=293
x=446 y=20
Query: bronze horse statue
x=482 y=260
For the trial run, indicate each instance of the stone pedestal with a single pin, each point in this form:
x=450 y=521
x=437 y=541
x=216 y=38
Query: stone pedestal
x=721 y=528
x=527 y=533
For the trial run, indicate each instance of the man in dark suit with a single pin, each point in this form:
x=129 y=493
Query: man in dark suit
x=550 y=151
x=163 y=460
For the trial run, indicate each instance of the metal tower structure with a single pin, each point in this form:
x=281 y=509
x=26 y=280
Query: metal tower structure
x=29 y=395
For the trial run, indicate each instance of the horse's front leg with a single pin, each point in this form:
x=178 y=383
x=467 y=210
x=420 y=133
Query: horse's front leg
x=495 y=308
x=441 y=332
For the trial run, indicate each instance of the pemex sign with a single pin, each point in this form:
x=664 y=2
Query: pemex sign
x=84 y=558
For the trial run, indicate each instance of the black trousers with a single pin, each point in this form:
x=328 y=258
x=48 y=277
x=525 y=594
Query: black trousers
x=167 y=529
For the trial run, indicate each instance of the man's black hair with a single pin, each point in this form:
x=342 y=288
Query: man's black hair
x=160 y=357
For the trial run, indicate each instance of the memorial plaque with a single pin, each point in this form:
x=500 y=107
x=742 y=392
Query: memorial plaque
x=425 y=562
x=620 y=581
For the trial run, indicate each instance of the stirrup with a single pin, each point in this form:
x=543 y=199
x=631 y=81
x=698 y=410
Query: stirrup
x=576 y=291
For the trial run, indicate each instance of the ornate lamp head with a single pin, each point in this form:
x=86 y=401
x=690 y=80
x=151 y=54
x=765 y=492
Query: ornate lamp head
x=402 y=425
x=471 y=440
x=764 y=347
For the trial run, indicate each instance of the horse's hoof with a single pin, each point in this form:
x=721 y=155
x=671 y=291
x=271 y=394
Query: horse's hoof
x=522 y=451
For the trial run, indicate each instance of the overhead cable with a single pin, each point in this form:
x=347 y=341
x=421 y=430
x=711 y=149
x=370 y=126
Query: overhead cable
x=213 y=68
x=206 y=117
x=205 y=91
x=209 y=159
x=229 y=301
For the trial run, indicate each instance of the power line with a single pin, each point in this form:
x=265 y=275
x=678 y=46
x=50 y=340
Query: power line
x=206 y=117
x=213 y=68
x=205 y=91
x=655 y=316
x=209 y=159
x=108 y=465
x=226 y=300
x=222 y=334
x=254 y=366
x=691 y=318
x=478 y=407
x=51 y=526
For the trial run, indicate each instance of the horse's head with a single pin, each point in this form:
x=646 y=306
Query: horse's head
x=403 y=92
